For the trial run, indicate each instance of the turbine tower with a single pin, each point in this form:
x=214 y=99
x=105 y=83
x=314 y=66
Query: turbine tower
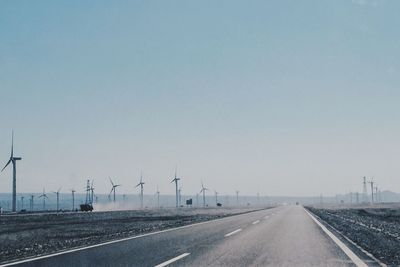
x=180 y=196
x=113 y=188
x=22 y=202
x=216 y=198
x=141 y=183
x=203 y=190
x=237 y=198
x=176 y=179
x=13 y=160
x=44 y=196
x=58 y=197
x=31 y=202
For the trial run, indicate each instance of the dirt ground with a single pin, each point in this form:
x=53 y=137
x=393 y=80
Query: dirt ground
x=375 y=229
x=28 y=235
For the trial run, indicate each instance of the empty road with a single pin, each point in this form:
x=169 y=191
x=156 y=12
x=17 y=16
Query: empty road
x=283 y=236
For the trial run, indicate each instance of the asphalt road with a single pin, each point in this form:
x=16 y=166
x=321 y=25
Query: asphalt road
x=284 y=236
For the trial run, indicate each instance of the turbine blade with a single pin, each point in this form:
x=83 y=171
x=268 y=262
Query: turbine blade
x=12 y=144
x=6 y=164
x=111 y=181
x=176 y=170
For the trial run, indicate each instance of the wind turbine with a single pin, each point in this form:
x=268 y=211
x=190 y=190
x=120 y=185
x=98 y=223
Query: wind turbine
x=22 y=202
x=237 y=198
x=158 y=198
x=13 y=160
x=203 y=190
x=216 y=198
x=58 y=196
x=73 y=199
x=176 y=179
x=44 y=196
x=180 y=196
x=141 y=183
x=31 y=202
x=113 y=188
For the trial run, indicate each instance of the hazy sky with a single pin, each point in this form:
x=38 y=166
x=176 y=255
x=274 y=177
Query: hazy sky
x=276 y=97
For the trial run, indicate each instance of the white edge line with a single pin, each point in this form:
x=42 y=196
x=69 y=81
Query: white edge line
x=354 y=258
x=233 y=232
x=165 y=263
x=255 y=222
x=118 y=240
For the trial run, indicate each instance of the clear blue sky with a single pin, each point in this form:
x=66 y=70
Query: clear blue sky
x=277 y=97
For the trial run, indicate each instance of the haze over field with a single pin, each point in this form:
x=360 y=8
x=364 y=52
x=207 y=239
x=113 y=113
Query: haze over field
x=276 y=97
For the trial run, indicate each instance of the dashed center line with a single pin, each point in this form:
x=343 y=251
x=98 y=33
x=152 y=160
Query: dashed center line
x=266 y=217
x=255 y=222
x=234 y=232
x=165 y=263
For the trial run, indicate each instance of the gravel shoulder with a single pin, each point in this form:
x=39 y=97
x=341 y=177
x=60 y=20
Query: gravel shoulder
x=29 y=235
x=376 y=230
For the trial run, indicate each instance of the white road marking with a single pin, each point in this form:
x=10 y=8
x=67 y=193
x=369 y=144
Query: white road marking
x=255 y=222
x=357 y=261
x=116 y=241
x=234 y=232
x=165 y=263
x=266 y=217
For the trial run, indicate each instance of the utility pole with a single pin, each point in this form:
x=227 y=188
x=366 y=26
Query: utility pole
x=372 y=190
x=365 y=196
x=88 y=201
